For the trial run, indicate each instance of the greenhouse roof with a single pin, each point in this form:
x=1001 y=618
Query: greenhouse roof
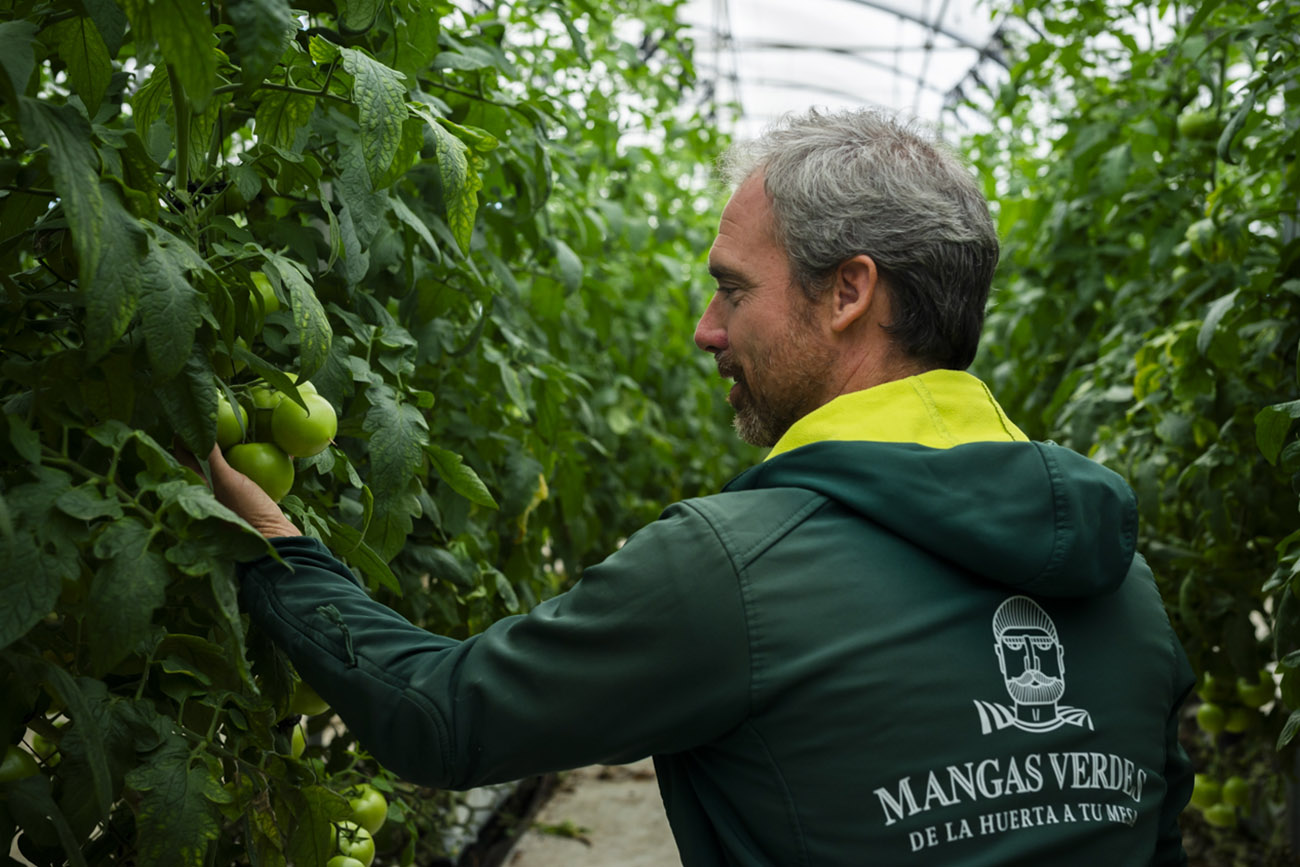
x=769 y=57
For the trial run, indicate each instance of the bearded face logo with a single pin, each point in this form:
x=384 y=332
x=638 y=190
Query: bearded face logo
x=1032 y=661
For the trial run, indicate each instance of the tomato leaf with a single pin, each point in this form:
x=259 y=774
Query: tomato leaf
x=380 y=97
x=129 y=585
x=73 y=165
x=16 y=58
x=100 y=747
x=110 y=20
x=462 y=479
x=279 y=116
x=29 y=582
x=358 y=15
x=24 y=440
x=460 y=184
x=263 y=29
x=184 y=33
x=169 y=305
x=398 y=433
x=86 y=503
x=89 y=66
x=189 y=400
x=570 y=266
x=407 y=154
x=1289 y=730
x=407 y=216
x=177 y=816
x=1212 y=318
x=32 y=804
x=1272 y=423
x=316 y=808
x=314 y=331
x=349 y=544
x=200 y=503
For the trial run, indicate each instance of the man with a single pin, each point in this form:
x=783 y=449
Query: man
x=806 y=654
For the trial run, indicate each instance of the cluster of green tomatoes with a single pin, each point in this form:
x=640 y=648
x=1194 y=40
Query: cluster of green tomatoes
x=354 y=837
x=1233 y=708
x=262 y=434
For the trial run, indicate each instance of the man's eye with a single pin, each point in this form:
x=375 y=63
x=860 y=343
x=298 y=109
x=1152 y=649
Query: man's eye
x=1015 y=643
x=1043 y=643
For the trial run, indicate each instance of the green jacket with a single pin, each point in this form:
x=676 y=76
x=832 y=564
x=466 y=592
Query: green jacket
x=935 y=652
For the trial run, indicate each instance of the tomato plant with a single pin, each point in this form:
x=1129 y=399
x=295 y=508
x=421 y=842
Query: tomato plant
x=1155 y=211
x=442 y=220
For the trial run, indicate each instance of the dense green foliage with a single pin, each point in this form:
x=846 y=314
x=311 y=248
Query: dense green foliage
x=1147 y=312
x=482 y=234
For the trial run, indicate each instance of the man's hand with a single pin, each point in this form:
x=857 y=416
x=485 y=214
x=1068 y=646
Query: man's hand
x=242 y=496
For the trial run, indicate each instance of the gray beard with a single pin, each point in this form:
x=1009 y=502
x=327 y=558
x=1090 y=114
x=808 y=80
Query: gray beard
x=755 y=429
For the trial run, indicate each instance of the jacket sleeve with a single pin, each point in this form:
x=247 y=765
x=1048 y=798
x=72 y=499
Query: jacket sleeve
x=647 y=654
x=1178 y=768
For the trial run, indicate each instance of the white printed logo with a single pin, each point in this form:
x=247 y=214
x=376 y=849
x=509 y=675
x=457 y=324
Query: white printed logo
x=1033 y=665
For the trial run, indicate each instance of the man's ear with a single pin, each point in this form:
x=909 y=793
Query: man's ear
x=857 y=288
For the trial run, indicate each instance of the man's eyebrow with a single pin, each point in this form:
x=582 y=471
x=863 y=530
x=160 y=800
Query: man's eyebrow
x=722 y=273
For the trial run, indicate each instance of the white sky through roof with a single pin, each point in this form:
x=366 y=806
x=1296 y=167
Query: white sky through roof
x=776 y=56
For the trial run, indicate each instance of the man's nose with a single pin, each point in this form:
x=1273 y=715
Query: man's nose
x=710 y=335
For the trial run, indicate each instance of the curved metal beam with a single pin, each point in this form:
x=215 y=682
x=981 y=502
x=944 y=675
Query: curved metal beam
x=763 y=45
x=936 y=26
x=816 y=88
x=893 y=70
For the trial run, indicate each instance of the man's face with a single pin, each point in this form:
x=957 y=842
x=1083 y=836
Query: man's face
x=761 y=329
x=1032 y=664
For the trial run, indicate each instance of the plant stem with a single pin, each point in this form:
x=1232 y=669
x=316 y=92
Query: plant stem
x=289 y=88
x=181 y=182
x=31 y=191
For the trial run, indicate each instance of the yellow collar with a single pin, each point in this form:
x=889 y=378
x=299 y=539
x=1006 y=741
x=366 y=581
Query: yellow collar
x=938 y=408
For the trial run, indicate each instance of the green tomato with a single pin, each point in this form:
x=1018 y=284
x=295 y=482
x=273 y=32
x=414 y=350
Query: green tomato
x=304 y=432
x=1206 y=791
x=265 y=292
x=1221 y=816
x=1202 y=237
x=355 y=842
x=1240 y=719
x=266 y=464
x=343 y=861
x=263 y=397
x=17 y=764
x=1198 y=124
x=232 y=421
x=1211 y=718
x=1257 y=693
x=306 y=700
x=1236 y=791
x=369 y=807
x=1212 y=689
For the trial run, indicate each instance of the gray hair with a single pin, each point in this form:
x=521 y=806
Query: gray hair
x=866 y=182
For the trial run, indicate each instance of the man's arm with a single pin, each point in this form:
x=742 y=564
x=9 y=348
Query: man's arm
x=647 y=654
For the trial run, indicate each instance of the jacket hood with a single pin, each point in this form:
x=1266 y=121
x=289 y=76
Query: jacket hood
x=1032 y=516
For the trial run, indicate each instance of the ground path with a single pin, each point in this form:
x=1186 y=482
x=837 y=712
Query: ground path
x=602 y=816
